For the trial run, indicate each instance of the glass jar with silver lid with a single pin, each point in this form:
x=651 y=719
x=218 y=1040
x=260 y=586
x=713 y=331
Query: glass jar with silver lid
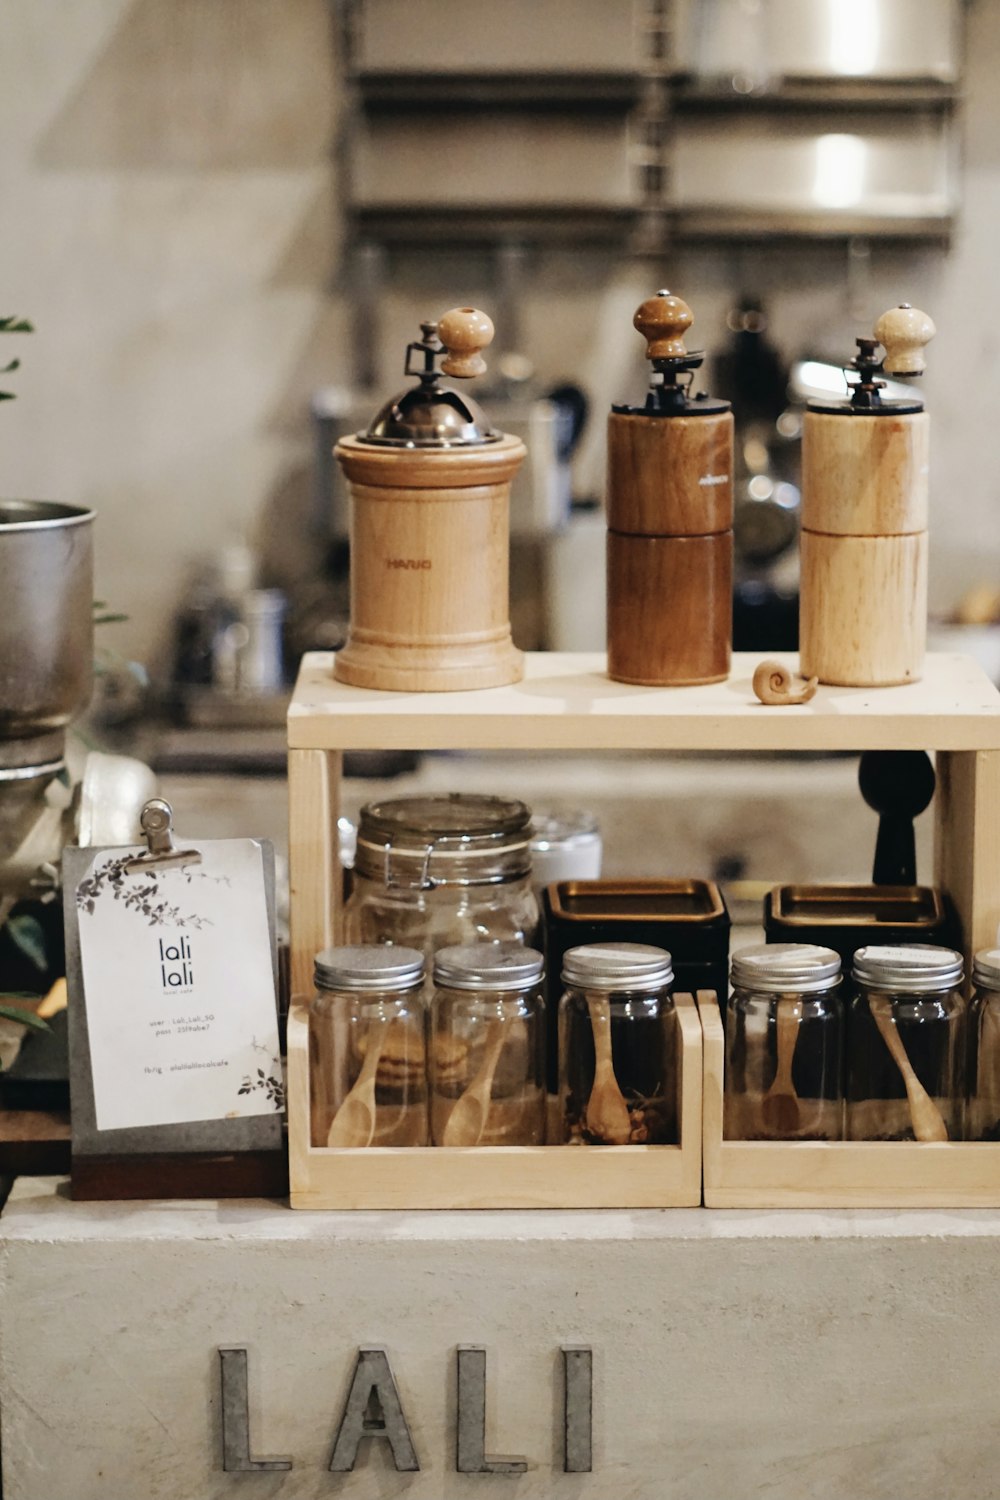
x=983 y=1114
x=784 y=1044
x=367 y=1048
x=906 y=1061
x=487 y=1061
x=439 y=871
x=618 y=1046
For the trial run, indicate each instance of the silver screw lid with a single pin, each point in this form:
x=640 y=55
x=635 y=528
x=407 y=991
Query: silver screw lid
x=986 y=968
x=369 y=968
x=917 y=968
x=488 y=966
x=618 y=966
x=775 y=968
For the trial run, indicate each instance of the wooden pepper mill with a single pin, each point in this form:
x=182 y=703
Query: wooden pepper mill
x=670 y=518
x=863 y=599
x=430 y=499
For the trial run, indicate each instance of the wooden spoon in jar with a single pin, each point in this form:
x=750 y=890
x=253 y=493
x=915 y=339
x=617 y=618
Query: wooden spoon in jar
x=924 y=1113
x=354 y=1122
x=467 y=1120
x=607 y=1113
x=780 y=1108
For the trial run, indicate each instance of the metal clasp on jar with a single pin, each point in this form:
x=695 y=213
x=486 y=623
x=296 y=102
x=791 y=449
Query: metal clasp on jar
x=425 y=880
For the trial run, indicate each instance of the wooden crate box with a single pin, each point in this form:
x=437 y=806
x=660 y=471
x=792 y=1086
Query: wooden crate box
x=833 y=1174
x=497 y=1176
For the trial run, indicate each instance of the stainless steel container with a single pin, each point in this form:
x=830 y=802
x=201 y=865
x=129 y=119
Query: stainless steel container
x=46 y=627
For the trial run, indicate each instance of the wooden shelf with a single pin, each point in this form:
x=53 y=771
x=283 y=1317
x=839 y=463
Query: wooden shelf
x=566 y=702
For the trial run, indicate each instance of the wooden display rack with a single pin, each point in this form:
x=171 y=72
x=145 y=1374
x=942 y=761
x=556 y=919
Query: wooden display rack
x=567 y=703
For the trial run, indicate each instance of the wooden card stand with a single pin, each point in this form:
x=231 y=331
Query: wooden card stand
x=497 y=1176
x=231 y=1158
x=834 y=1174
x=243 y=1174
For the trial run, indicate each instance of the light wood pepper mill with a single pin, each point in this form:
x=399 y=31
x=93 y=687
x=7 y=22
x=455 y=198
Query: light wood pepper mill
x=670 y=518
x=430 y=498
x=863 y=592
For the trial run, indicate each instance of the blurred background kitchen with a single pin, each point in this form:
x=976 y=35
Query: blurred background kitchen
x=226 y=218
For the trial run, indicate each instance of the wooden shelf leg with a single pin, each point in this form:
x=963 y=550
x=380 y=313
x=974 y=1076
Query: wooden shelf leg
x=314 y=859
x=967 y=841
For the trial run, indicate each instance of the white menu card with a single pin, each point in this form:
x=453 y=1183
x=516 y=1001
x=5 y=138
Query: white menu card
x=179 y=985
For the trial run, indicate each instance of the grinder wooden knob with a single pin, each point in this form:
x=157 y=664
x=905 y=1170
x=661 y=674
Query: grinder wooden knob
x=662 y=320
x=903 y=331
x=463 y=332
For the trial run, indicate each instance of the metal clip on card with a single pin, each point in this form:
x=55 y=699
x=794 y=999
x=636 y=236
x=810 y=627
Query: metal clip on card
x=156 y=822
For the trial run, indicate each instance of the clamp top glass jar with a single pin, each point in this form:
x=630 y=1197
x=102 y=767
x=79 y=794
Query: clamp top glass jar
x=439 y=871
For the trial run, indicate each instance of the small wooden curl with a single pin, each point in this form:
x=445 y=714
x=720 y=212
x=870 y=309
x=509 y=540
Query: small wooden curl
x=772 y=684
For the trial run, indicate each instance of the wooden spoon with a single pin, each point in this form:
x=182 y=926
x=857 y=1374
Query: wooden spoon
x=924 y=1113
x=354 y=1122
x=607 y=1112
x=467 y=1120
x=780 y=1109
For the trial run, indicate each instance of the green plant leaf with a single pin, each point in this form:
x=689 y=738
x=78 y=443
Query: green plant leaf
x=26 y=1017
x=27 y=933
x=6 y=395
x=15 y=364
x=16 y=325
x=109 y=619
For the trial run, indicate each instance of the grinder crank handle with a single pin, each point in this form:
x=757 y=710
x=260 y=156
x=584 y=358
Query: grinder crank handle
x=464 y=331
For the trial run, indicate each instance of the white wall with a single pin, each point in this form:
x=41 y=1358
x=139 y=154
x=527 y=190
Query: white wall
x=169 y=192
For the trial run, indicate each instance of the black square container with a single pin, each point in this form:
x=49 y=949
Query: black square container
x=848 y=917
x=687 y=917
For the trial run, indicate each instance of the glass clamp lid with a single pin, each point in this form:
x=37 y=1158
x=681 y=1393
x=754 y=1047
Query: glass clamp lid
x=461 y=838
x=429 y=414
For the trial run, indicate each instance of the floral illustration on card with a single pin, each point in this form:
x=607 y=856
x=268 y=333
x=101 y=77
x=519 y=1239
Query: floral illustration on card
x=140 y=891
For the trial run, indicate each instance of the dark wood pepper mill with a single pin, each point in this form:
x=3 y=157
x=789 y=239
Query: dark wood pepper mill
x=670 y=518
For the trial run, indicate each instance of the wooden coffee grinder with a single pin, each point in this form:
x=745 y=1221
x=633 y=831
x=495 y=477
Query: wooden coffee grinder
x=670 y=518
x=863 y=599
x=430 y=492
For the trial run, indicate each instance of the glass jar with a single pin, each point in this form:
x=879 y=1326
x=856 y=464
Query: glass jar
x=487 y=1059
x=983 y=1116
x=367 y=1048
x=618 y=1043
x=437 y=872
x=906 y=1045
x=784 y=1045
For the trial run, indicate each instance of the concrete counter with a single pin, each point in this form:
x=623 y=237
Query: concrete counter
x=840 y=1356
